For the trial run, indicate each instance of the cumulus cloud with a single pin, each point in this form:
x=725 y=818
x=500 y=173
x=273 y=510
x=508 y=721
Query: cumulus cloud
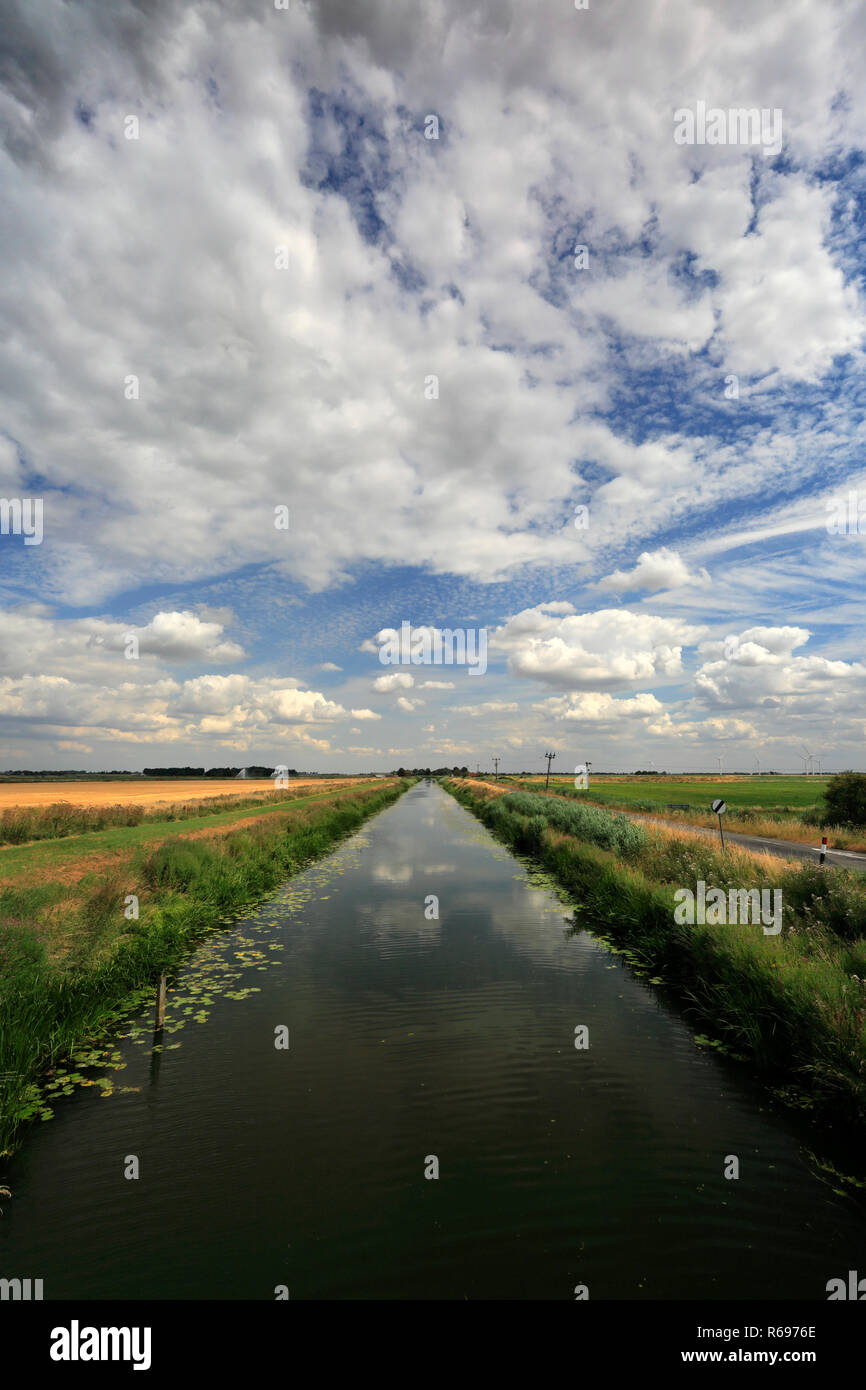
x=656 y=569
x=598 y=708
x=397 y=680
x=407 y=705
x=758 y=668
x=607 y=649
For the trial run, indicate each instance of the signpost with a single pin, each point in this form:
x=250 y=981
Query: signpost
x=720 y=808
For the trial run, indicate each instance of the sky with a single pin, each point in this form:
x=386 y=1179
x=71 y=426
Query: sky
x=479 y=317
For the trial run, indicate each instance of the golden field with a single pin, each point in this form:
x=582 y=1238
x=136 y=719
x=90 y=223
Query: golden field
x=147 y=792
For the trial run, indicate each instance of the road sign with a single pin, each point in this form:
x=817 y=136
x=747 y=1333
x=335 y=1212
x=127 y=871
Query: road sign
x=719 y=807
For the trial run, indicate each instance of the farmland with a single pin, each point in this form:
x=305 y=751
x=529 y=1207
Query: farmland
x=55 y=820
x=776 y=794
x=143 y=792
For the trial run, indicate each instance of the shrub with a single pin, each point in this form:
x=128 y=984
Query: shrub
x=603 y=828
x=845 y=799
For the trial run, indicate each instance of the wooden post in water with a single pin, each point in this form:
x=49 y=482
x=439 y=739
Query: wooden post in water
x=160 y=1003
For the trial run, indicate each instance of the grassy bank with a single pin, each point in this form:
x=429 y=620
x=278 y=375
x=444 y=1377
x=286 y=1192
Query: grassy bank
x=793 y=1004
x=776 y=808
x=71 y=962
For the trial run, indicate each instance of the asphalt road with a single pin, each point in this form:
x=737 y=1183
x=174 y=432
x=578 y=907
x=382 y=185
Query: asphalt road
x=783 y=849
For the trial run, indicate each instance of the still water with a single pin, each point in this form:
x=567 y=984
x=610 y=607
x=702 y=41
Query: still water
x=412 y=1037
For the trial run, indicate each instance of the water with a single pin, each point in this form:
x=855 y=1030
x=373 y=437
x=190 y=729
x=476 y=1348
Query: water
x=411 y=1038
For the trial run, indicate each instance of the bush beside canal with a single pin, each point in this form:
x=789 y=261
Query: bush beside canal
x=71 y=963
x=794 y=1003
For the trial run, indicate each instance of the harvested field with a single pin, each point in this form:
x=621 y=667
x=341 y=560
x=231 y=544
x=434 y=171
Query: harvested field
x=147 y=792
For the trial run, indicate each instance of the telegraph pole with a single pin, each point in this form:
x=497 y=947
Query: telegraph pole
x=550 y=757
x=496 y=762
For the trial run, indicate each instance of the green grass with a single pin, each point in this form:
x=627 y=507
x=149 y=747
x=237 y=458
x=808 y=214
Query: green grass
x=51 y=1005
x=791 y=794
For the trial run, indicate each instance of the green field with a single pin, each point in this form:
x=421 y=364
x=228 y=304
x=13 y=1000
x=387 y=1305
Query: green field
x=775 y=794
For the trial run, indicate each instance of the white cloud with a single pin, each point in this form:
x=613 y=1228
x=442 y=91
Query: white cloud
x=657 y=569
x=398 y=680
x=610 y=648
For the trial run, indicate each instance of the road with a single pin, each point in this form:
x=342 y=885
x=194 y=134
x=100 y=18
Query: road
x=783 y=849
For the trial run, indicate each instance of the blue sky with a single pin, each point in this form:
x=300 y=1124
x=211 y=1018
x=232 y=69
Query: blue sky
x=281 y=292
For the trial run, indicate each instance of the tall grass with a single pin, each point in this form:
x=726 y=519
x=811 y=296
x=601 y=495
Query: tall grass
x=49 y=1009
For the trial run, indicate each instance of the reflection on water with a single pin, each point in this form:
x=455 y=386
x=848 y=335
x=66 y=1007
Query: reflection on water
x=413 y=1035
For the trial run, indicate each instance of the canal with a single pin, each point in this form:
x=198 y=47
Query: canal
x=417 y=1041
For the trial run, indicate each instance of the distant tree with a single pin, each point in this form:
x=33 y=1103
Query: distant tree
x=174 y=772
x=845 y=799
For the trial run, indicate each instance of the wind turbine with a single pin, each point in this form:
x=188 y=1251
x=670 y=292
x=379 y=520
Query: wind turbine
x=757 y=765
x=807 y=770
x=719 y=761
